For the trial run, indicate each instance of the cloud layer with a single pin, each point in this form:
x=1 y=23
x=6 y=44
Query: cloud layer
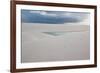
x=52 y=17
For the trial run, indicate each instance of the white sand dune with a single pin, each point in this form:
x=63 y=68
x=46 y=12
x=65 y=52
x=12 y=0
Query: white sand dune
x=42 y=42
x=55 y=27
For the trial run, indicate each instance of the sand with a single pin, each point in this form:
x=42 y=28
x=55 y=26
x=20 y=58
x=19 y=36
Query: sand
x=44 y=43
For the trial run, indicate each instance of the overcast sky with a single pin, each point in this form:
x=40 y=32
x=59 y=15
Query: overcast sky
x=52 y=17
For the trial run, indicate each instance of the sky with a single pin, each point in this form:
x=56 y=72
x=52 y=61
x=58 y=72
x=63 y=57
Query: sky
x=52 y=17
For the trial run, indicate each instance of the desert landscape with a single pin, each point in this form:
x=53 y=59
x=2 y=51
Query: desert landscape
x=54 y=36
x=48 y=42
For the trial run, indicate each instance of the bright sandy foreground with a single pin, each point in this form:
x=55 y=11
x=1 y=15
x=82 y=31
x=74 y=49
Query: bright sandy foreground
x=72 y=43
